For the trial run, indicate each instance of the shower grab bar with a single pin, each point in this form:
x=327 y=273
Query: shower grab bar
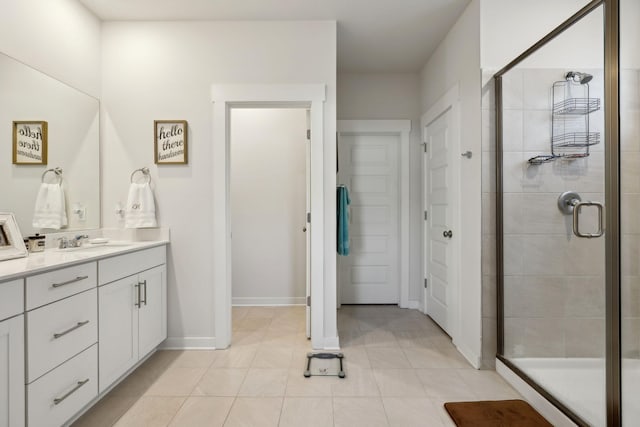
x=577 y=206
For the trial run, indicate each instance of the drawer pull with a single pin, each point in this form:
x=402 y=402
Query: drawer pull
x=68 y=282
x=78 y=325
x=58 y=400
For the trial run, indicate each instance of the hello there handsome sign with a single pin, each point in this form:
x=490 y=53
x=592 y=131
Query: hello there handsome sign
x=170 y=142
x=29 y=143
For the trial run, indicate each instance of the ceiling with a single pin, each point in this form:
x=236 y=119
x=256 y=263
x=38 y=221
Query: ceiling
x=373 y=35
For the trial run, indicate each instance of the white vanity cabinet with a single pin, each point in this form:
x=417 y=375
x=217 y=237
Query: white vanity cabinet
x=72 y=324
x=61 y=337
x=132 y=310
x=12 y=354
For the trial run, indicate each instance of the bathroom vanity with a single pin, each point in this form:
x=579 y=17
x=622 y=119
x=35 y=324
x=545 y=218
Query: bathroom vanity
x=73 y=323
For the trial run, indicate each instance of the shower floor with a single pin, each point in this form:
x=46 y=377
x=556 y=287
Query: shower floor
x=579 y=383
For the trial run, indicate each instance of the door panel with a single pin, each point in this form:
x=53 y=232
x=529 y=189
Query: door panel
x=152 y=325
x=117 y=329
x=369 y=169
x=438 y=263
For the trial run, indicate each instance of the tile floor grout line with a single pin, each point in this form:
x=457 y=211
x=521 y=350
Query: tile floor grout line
x=176 y=413
x=226 y=418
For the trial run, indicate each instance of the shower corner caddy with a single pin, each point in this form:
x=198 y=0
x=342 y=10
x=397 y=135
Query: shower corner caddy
x=572 y=105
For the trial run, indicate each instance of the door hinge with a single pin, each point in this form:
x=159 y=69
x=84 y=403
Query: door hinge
x=309 y=134
x=425 y=283
x=309 y=301
x=308 y=217
x=426 y=215
x=424 y=146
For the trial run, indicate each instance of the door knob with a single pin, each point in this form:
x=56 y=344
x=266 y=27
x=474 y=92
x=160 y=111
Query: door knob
x=304 y=229
x=447 y=233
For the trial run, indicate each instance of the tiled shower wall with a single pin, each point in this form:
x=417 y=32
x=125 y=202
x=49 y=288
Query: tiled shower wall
x=554 y=285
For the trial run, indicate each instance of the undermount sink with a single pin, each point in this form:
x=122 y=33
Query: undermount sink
x=94 y=247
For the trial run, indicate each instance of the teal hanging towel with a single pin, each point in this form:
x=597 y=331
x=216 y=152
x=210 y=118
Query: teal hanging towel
x=343 y=202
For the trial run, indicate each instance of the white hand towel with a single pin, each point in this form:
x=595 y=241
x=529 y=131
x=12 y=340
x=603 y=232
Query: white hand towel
x=141 y=207
x=50 y=210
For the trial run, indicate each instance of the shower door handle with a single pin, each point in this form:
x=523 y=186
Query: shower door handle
x=577 y=207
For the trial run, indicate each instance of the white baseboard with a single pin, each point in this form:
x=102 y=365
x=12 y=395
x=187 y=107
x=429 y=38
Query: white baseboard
x=473 y=358
x=414 y=305
x=189 y=343
x=535 y=399
x=268 y=301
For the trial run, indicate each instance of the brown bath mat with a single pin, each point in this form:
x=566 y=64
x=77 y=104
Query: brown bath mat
x=495 y=413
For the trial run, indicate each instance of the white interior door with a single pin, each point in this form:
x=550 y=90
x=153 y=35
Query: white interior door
x=369 y=169
x=440 y=237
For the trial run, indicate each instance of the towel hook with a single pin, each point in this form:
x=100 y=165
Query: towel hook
x=56 y=171
x=145 y=172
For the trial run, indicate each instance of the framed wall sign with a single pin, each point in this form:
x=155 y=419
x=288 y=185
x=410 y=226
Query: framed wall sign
x=29 y=143
x=170 y=142
x=11 y=243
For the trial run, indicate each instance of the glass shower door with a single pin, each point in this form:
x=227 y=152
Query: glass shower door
x=630 y=210
x=553 y=240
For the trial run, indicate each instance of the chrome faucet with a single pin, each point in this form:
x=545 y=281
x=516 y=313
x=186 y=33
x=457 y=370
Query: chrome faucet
x=63 y=243
x=76 y=242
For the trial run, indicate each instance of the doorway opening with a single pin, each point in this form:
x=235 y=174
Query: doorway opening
x=309 y=96
x=269 y=202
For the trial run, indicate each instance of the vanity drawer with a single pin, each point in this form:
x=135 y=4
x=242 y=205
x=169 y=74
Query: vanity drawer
x=59 y=331
x=63 y=392
x=11 y=298
x=54 y=285
x=117 y=267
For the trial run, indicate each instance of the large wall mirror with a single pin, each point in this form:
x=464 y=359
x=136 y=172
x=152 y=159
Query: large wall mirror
x=73 y=145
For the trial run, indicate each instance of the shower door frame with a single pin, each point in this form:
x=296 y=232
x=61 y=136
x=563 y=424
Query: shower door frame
x=612 y=204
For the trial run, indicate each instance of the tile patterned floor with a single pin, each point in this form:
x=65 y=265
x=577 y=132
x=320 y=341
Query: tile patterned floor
x=400 y=368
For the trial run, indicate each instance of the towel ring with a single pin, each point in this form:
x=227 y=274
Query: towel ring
x=144 y=171
x=56 y=171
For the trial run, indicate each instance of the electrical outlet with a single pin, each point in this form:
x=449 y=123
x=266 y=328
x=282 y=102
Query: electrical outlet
x=80 y=211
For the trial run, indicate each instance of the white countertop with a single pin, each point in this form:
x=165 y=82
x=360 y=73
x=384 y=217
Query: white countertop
x=55 y=258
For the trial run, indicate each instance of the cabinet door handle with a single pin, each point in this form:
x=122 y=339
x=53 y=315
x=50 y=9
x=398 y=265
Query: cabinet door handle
x=59 y=400
x=78 y=325
x=144 y=282
x=68 y=282
x=137 y=302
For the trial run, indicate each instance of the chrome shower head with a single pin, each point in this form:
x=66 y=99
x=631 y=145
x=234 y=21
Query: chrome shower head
x=578 y=77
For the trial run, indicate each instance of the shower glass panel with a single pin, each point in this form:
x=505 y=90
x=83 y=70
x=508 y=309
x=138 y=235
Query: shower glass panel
x=630 y=209
x=553 y=217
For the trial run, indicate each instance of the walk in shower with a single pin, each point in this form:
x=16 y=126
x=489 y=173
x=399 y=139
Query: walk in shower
x=568 y=215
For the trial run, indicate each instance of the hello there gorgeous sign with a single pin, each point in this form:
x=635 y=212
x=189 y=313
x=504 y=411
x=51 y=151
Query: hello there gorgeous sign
x=170 y=145
x=29 y=143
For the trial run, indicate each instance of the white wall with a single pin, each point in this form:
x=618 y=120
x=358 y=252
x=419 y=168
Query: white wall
x=510 y=27
x=164 y=70
x=58 y=37
x=457 y=61
x=380 y=96
x=268 y=205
